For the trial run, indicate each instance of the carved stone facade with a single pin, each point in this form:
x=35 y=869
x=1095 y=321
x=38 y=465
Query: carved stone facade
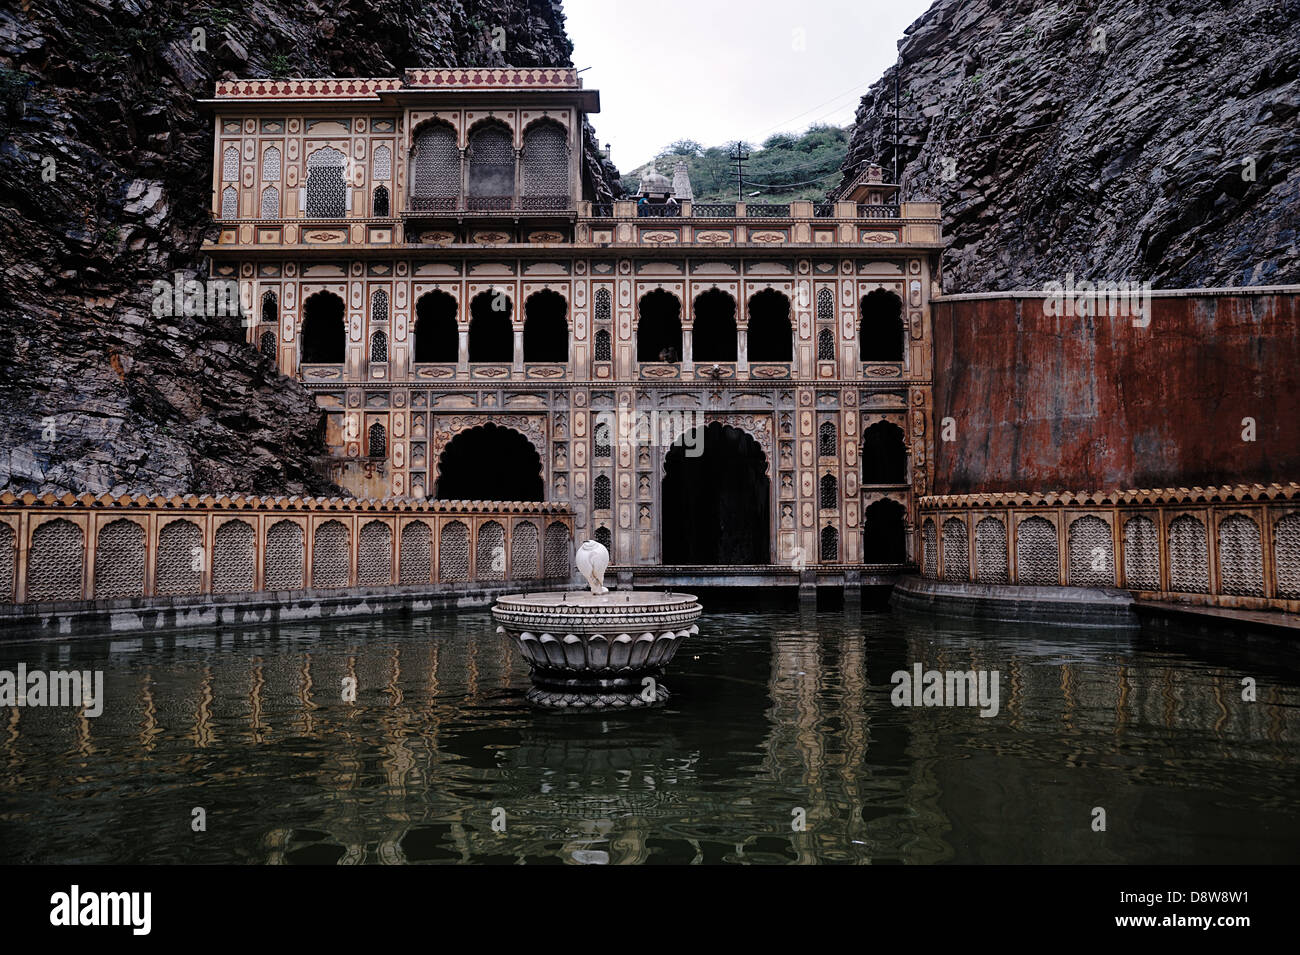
x=487 y=234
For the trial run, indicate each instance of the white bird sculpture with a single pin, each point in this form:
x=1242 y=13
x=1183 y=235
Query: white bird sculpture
x=592 y=559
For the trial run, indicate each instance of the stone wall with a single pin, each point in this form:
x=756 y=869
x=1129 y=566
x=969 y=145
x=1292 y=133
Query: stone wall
x=1221 y=546
x=1044 y=403
x=69 y=550
x=1109 y=138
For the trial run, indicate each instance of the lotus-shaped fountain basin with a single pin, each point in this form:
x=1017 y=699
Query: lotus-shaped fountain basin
x=596 y=651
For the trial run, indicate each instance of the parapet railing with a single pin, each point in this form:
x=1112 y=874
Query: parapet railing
x=689 y=209
x=87 y=547
x=1236 y=546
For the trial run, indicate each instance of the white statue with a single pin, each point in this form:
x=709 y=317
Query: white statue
x=592 y=559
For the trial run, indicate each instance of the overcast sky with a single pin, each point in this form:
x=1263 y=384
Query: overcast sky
x=720 y=70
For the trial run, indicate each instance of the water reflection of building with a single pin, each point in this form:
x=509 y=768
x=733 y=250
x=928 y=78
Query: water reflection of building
x=435 y=741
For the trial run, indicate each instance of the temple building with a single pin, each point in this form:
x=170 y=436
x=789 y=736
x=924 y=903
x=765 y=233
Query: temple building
x=716 y=388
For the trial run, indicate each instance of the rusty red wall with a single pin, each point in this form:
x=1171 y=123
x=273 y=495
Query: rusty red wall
x=1047 y=403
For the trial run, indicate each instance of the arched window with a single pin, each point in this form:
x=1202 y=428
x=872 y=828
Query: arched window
x=380 y=207
x=601 y=439
x=382 y=163
x=326 y=190
x=491 y=173
x=379 y=306
x=230 y=165
x=956 y=550
x=659 y=330
x=884 y=457
x=379 y=347
x=54 y=562
x=271 y=164
x=825 y=345
x=270 y=203
x=234 y=560
x=830 y=493
x=324 y=339
x=884 y=537
x=1037 y=561
x=830 y=544
x=436 y=336
x=544 y=167
x=491 y=336
x=827 y=440
x=882 y=326
x=600 y=492
x=714 y=335
x=435 y=169
x=825 y=305
x=378 y=442
x=771 y=337
x=229 y=203
x=603 y=314
x=546 y=333
x=267 y=345
x=604 y=537
x=270 y=310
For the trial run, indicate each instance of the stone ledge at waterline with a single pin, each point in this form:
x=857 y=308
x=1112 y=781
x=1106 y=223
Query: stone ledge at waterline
x=1080 y=606
x=143 y=615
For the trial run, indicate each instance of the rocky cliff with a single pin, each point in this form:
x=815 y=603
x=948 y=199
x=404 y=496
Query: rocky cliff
x=104 y=189
x=1115 y=139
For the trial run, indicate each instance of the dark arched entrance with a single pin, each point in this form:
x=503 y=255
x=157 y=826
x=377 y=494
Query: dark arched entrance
x=489 y=463
x=882 y=326
x=715 y=505
x=659 y=330
x=436 y=337
x=324 y=339
x=714 y=337
x=883 y=535
x=771 y=337
x=546 y=331
x=491 y=336
x=884 y=455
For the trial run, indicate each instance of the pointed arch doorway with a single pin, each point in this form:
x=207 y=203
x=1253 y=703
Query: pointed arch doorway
x=489 y=463
x=717 y=505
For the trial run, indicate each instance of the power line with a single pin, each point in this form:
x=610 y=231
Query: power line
x=852 y=89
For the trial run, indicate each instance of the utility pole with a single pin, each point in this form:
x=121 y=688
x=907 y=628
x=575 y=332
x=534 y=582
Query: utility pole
x=740 y=171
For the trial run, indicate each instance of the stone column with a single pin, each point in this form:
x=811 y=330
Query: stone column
x=688 y=351
x=742 y=349
x=519 y=351
x=462 y=350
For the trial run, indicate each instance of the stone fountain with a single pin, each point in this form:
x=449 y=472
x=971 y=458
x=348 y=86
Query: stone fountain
x=595 y=649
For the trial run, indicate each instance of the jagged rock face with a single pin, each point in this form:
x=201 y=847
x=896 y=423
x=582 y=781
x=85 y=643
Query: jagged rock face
x=1107 y=139
x=96 y=393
